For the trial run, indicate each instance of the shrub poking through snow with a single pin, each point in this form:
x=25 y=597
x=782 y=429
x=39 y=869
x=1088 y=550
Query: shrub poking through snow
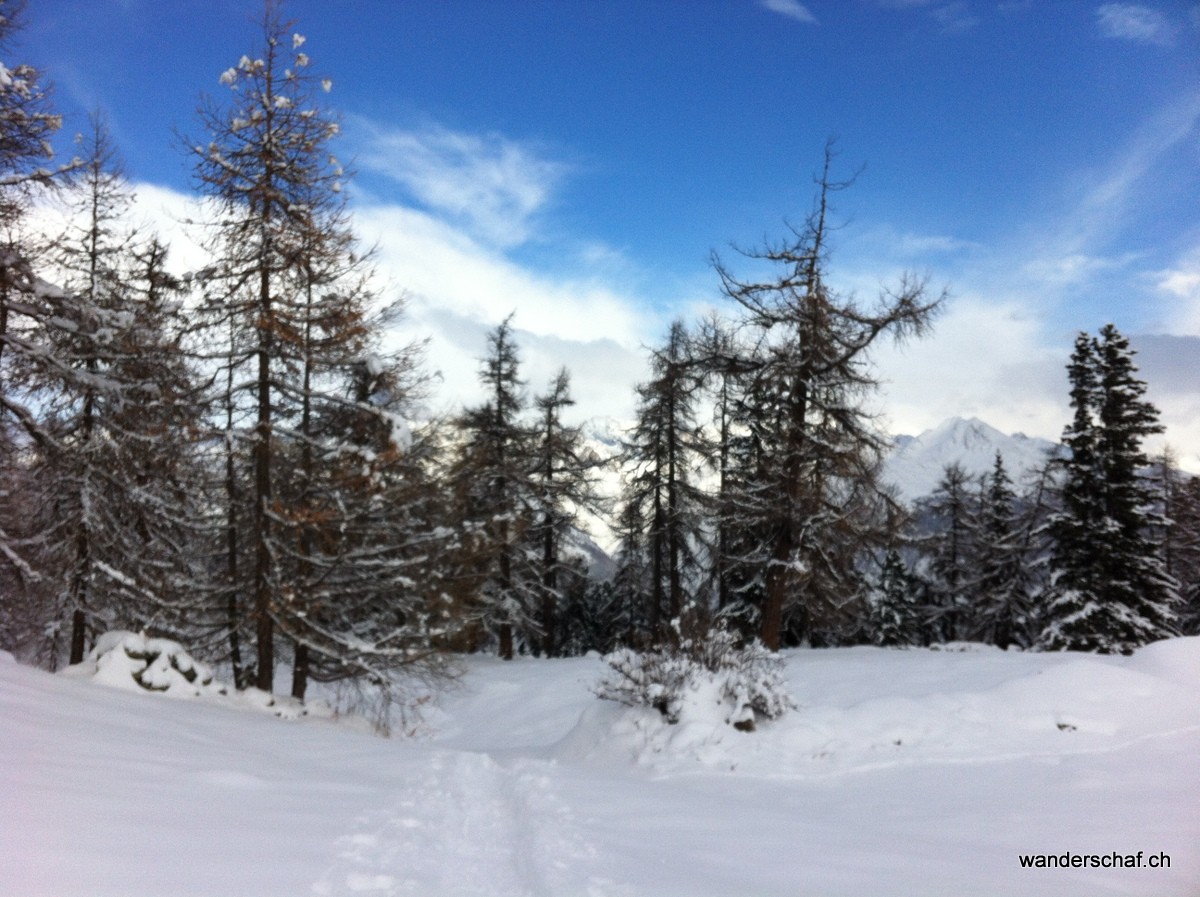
x=128 y=660
x=741 y=683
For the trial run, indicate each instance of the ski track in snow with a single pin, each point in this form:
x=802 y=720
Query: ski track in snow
x=468 y=826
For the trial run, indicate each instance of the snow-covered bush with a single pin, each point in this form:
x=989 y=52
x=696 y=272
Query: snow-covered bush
x=742 y=683
x=131 y=661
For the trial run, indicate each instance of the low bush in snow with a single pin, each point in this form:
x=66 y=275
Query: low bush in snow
x=740 y=683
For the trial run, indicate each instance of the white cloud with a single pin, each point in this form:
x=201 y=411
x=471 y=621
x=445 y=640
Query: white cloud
x=1180 y=286
x=492 y=186
x=983 y=359
x=1141 y=24
x=793 y=9
x=458 y=289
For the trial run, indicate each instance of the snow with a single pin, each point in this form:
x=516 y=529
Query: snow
x=900 y=772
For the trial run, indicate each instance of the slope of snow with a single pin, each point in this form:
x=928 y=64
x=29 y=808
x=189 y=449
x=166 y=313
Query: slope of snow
x=917 y=463
x=902 y=772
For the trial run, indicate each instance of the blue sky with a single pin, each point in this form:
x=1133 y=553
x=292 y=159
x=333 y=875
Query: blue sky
x=578 y=161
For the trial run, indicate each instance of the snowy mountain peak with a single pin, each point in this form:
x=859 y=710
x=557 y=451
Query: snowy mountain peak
x=917 y=462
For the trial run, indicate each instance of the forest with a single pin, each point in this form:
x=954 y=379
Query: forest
x=229 y=457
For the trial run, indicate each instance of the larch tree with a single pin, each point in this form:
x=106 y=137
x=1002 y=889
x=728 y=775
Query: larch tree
x=817 y=498
x=564 y=475
x=119 y=404
x=661 y=454
x=28 y=124
x=313 y=414
x=266 y=170
x=496 y=488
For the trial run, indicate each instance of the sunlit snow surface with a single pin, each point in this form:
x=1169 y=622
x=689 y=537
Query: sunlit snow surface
x=901 y=773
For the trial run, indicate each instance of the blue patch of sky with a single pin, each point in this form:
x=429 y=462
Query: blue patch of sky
x=680 y=126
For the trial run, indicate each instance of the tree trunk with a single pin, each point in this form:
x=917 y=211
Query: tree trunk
x=549 y=588
x=300 y=671
x=265 y=629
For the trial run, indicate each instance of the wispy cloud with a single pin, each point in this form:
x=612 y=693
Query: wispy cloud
x=1141 y=24
x=1180 y=288
x=949 y=16
x=954 y=17
x=793 y=9
x=1085 y=242
x=491 y=185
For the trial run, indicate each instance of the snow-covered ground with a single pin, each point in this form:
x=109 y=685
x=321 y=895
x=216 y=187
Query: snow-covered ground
x=902 y=772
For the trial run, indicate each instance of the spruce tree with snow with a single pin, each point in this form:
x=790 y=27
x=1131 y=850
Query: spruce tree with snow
x=950 y=553
x=895 y=611
x=1109 y=590
x=1001 y=609
x=1179 y=501
x=817 y=496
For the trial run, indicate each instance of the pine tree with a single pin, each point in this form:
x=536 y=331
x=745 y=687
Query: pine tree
x=817 y=497
x=1109 y=591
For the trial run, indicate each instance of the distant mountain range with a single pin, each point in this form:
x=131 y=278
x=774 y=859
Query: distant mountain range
x=914 y=467
x=917 y=463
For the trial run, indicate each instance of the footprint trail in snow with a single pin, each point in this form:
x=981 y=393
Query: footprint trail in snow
x=468 y=826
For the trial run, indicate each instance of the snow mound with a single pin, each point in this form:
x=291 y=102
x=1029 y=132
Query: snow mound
x=134 y=662
x=1176 y=660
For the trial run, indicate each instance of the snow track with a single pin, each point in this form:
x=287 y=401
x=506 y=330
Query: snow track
x=466 y=825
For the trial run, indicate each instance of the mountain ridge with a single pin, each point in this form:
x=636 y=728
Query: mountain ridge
x=917 y=462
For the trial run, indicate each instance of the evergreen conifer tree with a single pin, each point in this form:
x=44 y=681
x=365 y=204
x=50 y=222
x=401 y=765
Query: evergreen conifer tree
x=1109 y=591
x=895 y=614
